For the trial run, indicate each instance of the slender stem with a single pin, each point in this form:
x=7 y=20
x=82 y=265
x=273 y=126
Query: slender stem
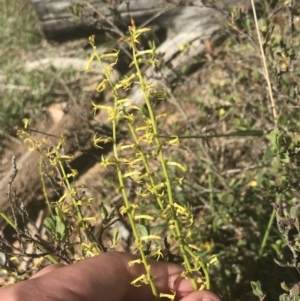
x=267 y=232
x=265 y=65
x=74 y=201
x=251 y=133
x=211 y=196
x=44 y=186
x=128 y=207
x=176 y=231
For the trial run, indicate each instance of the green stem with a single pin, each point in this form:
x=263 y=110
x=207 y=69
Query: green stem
x=267 y=232
x=44 y=186
x=254 y=133
x=74 y=201
x=176 y=231
x=128 y=206
x=211 y=197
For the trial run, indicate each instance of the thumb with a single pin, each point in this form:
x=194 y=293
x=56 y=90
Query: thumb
x=47 y=270
x=201 y=296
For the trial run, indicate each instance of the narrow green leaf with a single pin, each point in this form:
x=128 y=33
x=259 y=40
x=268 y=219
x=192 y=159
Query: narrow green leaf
x=142 y=230
x=284 y=286
x=274 y=139
x=116 y=236
x=59 y=213
x=60 y=229
x=256 y=289
x=293 y=212
x=49 y=224
x=103 y=211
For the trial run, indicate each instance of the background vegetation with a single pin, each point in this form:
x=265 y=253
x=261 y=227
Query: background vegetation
x=242 y=188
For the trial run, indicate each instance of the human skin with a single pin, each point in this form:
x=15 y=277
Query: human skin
x=103 y=278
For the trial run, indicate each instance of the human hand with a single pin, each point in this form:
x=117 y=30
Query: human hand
x=107 y=278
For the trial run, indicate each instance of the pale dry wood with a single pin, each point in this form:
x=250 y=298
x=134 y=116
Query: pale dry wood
x=190 y=25
x=59 y=63
x=56 y=19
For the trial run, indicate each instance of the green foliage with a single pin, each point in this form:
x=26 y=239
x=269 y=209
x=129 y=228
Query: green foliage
x=282 y=153
x=132 y=157
x=256 y=288
x=68 y=226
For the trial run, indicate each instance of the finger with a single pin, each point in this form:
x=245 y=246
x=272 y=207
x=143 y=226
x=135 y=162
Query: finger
x=201 y=296
x=107 y=276
x=119 y=276
x=47 y=270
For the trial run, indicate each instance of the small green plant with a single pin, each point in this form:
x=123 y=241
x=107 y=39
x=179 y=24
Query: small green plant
x=288 y=223
x=67 y=226
x=130 y=158
x=283 y=149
